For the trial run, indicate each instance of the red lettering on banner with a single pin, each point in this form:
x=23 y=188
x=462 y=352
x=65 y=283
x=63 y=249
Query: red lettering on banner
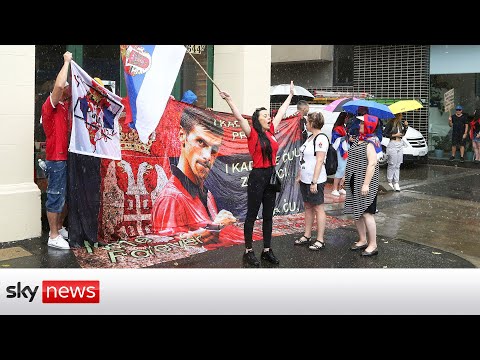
x=71 y=291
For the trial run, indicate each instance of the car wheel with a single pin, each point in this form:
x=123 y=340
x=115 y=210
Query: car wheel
x=384 y=160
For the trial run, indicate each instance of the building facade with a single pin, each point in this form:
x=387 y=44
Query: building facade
x=391 y=72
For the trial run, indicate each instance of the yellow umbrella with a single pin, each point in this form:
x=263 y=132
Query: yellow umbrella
x=404 y=105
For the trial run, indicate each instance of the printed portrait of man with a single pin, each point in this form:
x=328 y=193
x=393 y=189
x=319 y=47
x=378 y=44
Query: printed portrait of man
x=185 y=205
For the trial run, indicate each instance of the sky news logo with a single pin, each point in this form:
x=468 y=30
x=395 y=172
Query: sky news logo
x=58 y=292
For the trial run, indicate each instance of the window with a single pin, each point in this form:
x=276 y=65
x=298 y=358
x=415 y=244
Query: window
x=343 y=65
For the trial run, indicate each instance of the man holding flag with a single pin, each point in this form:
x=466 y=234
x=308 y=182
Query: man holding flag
x=55 y=121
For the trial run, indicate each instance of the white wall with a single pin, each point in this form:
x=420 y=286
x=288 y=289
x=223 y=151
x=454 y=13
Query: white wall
x=20 y=202
x=244 y=72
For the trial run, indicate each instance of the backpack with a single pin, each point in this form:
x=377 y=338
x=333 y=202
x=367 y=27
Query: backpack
x=331 y=161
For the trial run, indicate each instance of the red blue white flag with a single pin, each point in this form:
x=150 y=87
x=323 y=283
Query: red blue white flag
x=150 y=74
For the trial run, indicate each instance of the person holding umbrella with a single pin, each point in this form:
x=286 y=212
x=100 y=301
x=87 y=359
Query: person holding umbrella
x=395 y=130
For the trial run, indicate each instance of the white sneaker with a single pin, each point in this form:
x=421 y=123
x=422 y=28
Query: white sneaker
x=342 y=192
x=397 y=187
x=335 y=193
x=391 y=185
x=63 y=232
x=59 y=242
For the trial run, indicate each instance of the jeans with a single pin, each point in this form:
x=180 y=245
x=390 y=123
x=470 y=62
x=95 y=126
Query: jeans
x=57 y=185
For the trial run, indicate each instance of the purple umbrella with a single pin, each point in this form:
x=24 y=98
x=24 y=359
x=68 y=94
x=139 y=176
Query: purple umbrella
x=336 y=106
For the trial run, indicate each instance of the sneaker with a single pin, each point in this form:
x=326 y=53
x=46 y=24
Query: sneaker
x=397 y=187
x=452 y=158
x=268 y=255
x=59 y=242
x=250 y=259
x=63 y=232
x=342 y=192
x=462 y=159
x=391 y=185
x=335 y=193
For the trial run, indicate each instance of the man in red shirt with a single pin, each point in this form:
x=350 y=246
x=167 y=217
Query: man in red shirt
x=55 y=120
x=185 y=206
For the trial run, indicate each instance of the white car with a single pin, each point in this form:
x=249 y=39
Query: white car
x=414 y=144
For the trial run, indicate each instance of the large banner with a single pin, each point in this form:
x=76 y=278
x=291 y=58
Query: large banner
x=185 y=190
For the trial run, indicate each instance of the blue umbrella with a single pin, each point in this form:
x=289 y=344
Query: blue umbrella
x=376 y=109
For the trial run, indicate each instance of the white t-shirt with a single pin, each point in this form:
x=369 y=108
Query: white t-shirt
x=309 y=159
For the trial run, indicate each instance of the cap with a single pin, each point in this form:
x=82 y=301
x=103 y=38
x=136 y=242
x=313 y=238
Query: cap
x=189 y=97
x=459 y=107
x=98 y=80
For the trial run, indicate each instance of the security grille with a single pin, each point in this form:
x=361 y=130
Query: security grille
x=396 y=72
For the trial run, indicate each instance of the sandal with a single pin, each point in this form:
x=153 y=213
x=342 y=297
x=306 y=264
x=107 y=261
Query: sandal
x=303 y=240
x=317 y=245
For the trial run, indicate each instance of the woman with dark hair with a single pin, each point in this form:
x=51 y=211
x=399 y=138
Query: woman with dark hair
x=341 y=144
x=263 y=148
x=475 y=135
x=395 y=130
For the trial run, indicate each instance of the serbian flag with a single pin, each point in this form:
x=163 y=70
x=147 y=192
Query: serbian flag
x=96 y=111
x=150 y=73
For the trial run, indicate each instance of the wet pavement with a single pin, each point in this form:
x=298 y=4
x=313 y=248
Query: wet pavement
x=432 y=223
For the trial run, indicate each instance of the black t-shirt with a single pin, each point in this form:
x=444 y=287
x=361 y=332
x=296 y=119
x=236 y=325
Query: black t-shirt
x=459 y=123
x=303 y=128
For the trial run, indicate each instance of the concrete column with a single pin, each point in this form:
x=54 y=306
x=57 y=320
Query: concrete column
x=20 y=201
x=244 y=72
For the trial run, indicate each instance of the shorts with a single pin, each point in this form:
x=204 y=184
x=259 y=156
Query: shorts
x=342 y=163
x=475 y=138
x=57 y=185
x=308 y=197
x=458 y=140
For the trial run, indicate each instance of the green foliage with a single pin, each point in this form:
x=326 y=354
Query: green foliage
x=442 y=142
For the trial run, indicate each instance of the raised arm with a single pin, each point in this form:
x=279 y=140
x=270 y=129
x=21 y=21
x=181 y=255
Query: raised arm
x=283 y=109
x=243 y=122
x=61 y=79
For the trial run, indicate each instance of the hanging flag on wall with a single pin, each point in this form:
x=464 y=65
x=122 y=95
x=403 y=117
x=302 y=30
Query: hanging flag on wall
x=96 y=112
x=150 y=73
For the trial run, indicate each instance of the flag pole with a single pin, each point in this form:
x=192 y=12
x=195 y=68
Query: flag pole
x=204 y=71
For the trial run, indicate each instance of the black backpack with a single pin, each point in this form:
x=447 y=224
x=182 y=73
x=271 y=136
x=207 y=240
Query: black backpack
x=331 y=161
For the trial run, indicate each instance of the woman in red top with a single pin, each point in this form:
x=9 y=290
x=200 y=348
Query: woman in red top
x=263 y=148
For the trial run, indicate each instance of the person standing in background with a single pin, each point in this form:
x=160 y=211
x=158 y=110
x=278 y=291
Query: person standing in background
x=395 y=130
x=475 y=135
x=341 y=144
x=459 y=125
x=302 y=109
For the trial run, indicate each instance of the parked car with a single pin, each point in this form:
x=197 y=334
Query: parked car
x=414 y=145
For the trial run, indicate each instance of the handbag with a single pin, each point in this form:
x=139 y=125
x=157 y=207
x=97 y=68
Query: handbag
x=275 y=182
